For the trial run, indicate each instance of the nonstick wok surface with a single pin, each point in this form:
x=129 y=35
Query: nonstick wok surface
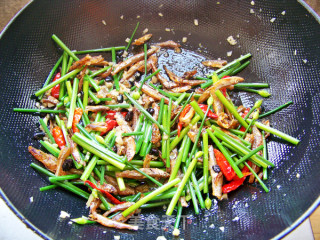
x=285 y=55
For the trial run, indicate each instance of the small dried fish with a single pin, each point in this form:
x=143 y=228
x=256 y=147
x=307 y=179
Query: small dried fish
x=214 y=63
x=142 y=40
x=217 y=178
x=49 y=161
x=153 y=172
x=170 y=44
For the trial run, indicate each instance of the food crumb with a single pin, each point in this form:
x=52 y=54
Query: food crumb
x=231 y=40
x=167 y=29
x=260 y=10
x=235 y=219
x=252 y=3
x=258 y=49
x=251 y=11
x=238 y=35
x=161 y=238
x=145 y=31
x=283 y=13
x=176 y=232
x=64 y=214
x=121 y=17
x=211 y=226
x=278 y=186
x=184 y=39
x=298 y=175
x=196 y=22
x=305 y=60
x=104 y=22
x=116 y=237
x=160 y=14
x=246 y=205
x=70 y=222
x=295 y=52
x=272 y=20
x=218 y=3
x=127 y=40
x=161 y=5
x=138 y=16
x=222 y=229
x=31 y=199
x=104 y=231
x=200 y=45
x=229 y=53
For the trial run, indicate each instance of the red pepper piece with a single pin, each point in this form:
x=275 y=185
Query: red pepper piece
x=58 y=137
x=182 y=114
x=108 y=195
x=210 y=114
x=233 y=185
x=224 y=165
x=111 y=124
x=246 y=111
x=111 y=114
x=224 y=92
x=56 y=89
x=76 y=119
x=225 y=77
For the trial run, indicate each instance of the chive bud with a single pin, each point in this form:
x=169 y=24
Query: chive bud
x=136 y=95
x=208 y=203
x=263 y=93
x=100 y=139
x=198 y=154
x=82 y=221
x=210 y=101
x=65 y=100
x=258 y=104
x=255 y=115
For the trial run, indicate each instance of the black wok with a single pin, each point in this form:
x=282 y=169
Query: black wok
x=28 y=53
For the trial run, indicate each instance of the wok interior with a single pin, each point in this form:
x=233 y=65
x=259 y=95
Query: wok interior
x=28 y=53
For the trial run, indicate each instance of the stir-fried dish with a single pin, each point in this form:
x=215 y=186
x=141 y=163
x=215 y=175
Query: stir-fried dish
x=126 y=133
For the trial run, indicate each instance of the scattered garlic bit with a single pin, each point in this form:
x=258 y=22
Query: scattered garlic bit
x=272 y=20
x=167 y=29
x=38 y=105
x=305 y=60
x=64 y=214
x=252 y=3
x=160 y=14
x=161 y=5
x=104 y=22
x=196 y=22
x=251 y=11
x=200 y=45
x=246 y=205
x=125 y=54
x=283 y=13
x=298 y=175
x=278 y=186
x=222 y=229
x=145 y=31
x=218 y=3
x=127 y=40
x=229 y=53
x=116 y=237
x=176 y=232
x=161 y=238
x=31 y=199
x=184 y=39
x=211 y=226
x=138 y=16
x=154 y=79
x=260 y=10
x=238 y=35
x=235 y=219
x=121 y=17
x=295 y=52
x=231 y=40
x=70 y=222
x=104 y=231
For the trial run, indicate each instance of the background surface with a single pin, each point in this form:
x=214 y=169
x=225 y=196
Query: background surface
x=12 y=228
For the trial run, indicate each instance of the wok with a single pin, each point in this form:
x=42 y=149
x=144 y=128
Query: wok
x=285 y=55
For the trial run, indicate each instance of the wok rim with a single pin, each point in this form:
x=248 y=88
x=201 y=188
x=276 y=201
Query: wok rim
x=36 y=230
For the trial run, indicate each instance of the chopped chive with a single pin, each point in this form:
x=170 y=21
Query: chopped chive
x=149 y=197
x=146 y=78
x=73 y=102
x=176 y=168
x=99 y=50
x=184 y=105
x=69 y=88
x=47 y=188
x=262 y=93
x=45 y=128
x=274 y=131
x=65 y=177
x=64 y=47
x=265 y=155
x=179 y=213
x=29 y=110
x=167 y=94
x=63 y=72
x=94 y=97
x=276 y=109
x=168 y=129
x=257 y=177
x=145 y=112
x=231 y=108
x=51 y=74
x=132 y=134
x=239 y=69
x=180 y=98
x=118 y=106
x=154 y=204
x=253 y=152
x=105 y=99
x=161 y=105
x=58 y=81
x=92 y=83
x=252 y=85
x=131 y=38
x=182 y=184
x=205 y=161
